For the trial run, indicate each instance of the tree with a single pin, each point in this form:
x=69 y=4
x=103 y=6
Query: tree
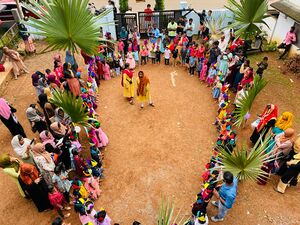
x=72 y=106
x=67 y=24
x=244 y=164
x=245 y=102
x=159 y=5
x=248 y=15
x=123 y=6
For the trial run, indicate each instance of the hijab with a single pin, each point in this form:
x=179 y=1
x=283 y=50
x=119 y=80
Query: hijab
x=144 y=81
x=47 y=139
x=5 y=162
x=39 y=150
x=4 y=109
x=18 y=148
x=32 y=115
x=28 y=173
x=55 y=128
x=41 y=83
x=59 y=118
x=285 y=121
x=268 y=114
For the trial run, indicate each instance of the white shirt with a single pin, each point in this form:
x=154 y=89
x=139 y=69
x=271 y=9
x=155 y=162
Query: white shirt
x=167 y=53
x=189 y=33
x=223 y=45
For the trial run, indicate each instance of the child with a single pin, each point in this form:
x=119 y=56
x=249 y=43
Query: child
x=130 y=60
x=152 y=53
x=167 y=56
x=143 y=89
x=61 y=182
x=79 y=190
x=136 y=57
x=192 y=65
x=144 y=55
x=217 y=88
x=175 y=55
x=106 y=70
x=199 y=66
x=183 y=55
x=91 y=184
x=102 y=218
x=262 y=66
x=203 y=71
x=212 y=73
x=121 y=47
x=117 y=65
x=158 y=55
x=58 y=201
x=78 y=162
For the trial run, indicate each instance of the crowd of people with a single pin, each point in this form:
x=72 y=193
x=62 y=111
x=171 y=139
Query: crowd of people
x=56 y=173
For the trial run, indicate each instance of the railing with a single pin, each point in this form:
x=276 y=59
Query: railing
x=10 y=38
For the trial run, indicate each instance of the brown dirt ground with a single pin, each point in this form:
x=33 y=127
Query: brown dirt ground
x=158 y=151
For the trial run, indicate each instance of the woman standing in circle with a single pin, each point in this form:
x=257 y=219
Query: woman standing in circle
x=143 y=89
x=127 y=83
x=9 y=119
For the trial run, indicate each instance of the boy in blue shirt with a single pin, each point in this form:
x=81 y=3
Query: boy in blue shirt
x=226 y=196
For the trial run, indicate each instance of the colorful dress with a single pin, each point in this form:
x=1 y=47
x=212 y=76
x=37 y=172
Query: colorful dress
x=144 y=97
x=92 y=186
x=128 y=84
x=106 y=70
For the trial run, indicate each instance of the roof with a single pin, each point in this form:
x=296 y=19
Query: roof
x=288 y=8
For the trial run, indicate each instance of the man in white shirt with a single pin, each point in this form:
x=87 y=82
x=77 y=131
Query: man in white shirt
x=189 y=29
x=223 y=43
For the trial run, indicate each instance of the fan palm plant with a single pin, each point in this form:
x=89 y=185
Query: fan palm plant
x=244 y=164
x=67 y=24
x=166 y=212
x=248 y=15
x=72 y=106
x=243 y=106
x=215 y=27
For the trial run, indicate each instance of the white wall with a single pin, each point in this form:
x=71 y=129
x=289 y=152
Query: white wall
x=196 y=20
x=283 y=25
x=271 y=21
x=108 y=28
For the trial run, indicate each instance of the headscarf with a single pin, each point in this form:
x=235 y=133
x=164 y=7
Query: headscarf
x=41 y=83
x=69 y=58
x=39 y=150
x=18 y=148
x=59 y=118
x=47 y=139
x=297 y=145
x=268 y=114
x=287 y=135
x=285 y=121
x=6 y=163
x=28 y=173
x=32 y=115
x=54 y=127
x=4 y=109
x=144 y=81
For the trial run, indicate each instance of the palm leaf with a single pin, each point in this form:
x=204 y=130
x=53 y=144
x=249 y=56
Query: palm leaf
x=245 y=102
x=67 y=24
x=244 y=164
x=165 y=215
x=72 y=106
x=215 y=26
x=248 y=14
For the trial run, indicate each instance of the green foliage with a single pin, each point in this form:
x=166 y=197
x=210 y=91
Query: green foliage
x=159 y=5
x=215 y=27
x=166 y=211
x=245 y=102
x=123 y=6
x=248 y=15
x=271 y=47
x=72 y=106
x=67 y=24
x=244 y=164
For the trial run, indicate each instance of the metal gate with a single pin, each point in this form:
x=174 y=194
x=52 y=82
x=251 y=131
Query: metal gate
x=160 y=18
x=128 y=20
